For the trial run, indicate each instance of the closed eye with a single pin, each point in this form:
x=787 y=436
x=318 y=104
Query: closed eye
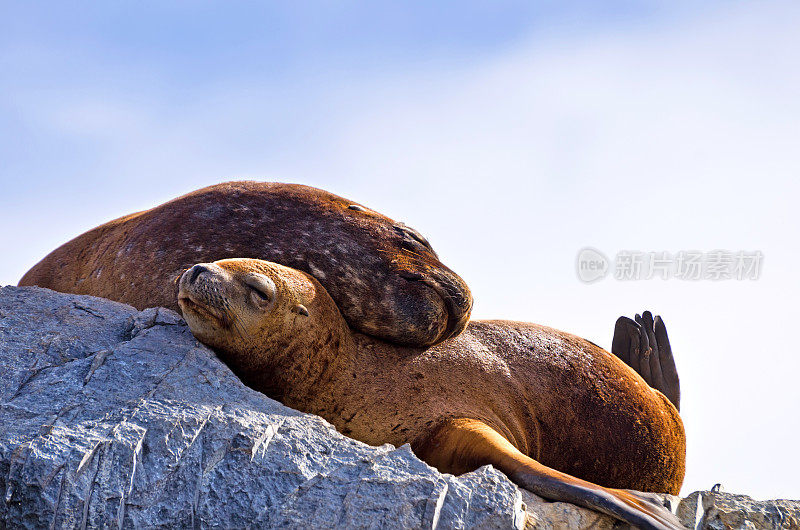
x=409 y=233
x=260 y=294
x=262 y=289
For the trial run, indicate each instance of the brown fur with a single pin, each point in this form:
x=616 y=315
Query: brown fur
x=384 y=276
x=513 y=394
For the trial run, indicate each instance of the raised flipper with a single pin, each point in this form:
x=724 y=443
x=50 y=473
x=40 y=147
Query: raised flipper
x=643 y=345
x=462 y=445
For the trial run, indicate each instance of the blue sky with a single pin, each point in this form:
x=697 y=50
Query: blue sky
x=511 y=136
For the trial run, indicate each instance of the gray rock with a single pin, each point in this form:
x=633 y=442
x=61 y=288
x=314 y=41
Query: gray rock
x=716 y=510
x=111 y=417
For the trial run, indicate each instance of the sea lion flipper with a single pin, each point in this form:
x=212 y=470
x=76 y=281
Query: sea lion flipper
x=643 y=345
x=656 y=372
x=645 y=351
x=463 y=444
x=621 y=343
x=626 y=342
x=672 y=384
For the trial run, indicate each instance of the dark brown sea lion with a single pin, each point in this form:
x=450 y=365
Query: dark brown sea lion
x=384 y=276
x=543 y=406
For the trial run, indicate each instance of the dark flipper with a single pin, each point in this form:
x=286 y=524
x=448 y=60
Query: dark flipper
x=643 y=345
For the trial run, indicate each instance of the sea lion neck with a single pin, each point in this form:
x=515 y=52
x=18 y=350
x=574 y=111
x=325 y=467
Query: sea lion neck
x=306 y=367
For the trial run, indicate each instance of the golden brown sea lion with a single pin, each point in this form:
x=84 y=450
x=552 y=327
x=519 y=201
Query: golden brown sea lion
x=543 y=406
x=384 y=276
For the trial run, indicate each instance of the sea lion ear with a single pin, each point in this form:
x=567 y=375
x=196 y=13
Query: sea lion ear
x=300 y=309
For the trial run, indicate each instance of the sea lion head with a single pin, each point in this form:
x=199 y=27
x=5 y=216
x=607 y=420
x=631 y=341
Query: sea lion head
x=384 y=276
x=261 y=317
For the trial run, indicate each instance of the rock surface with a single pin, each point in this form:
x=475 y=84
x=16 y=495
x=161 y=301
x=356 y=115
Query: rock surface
x=111 y=417
x=716 y=510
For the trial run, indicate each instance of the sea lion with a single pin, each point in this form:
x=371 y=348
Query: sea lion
x=383 y=275
x=554 y=412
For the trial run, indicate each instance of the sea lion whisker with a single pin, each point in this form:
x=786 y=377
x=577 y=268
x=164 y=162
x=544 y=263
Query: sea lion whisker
x=237 y=326
x=235 y=320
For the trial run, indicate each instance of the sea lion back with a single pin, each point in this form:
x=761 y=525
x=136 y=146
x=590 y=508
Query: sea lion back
x=593 y=412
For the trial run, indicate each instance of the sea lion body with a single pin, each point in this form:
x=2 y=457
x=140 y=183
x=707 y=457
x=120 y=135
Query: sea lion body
x=559 y=399
x=533 y=401
x=383 y=275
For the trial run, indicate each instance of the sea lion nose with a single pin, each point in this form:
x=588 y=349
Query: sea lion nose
x=196 y=271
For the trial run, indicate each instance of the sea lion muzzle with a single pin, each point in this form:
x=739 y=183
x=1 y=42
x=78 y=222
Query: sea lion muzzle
x=453 y=292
